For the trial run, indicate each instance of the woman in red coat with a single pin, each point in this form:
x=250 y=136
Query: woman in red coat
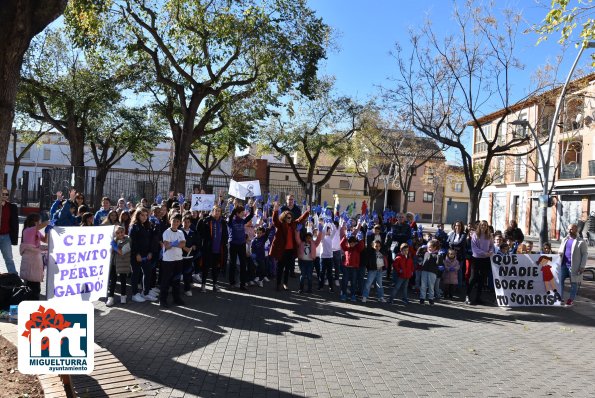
x=283 y=247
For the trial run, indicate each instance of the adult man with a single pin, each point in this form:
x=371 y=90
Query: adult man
x=514 y=232
x=573 y=257
x=295 y=210
x=102 y=213
x=9 y=230
x=400 y=233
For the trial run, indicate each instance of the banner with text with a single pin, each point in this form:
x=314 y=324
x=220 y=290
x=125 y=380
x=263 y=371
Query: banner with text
x=203 y=202
x=79 y=263
x=523 y=280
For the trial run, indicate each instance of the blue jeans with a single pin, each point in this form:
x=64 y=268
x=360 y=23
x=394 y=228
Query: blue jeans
x=418 y=279
x=306 y=268
x=400 y=283
x=6 y=249
x=573 y=285
x=428 y=280
x=437 y=290
x=374 y=277
x=349 y=275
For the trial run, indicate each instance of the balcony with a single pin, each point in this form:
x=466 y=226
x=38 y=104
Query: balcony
x=591 y=168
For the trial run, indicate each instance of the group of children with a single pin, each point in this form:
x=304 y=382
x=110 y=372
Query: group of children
x=168 y=247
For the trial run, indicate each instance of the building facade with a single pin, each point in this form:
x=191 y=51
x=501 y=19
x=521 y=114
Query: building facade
x=517 y=177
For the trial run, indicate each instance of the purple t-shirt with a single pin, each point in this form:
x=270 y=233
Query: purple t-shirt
x=567 y=260
x=217 y=233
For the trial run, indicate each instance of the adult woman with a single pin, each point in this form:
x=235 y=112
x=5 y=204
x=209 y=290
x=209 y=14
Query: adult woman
x=482 y=247
x=141 y=256
x=283 y=247
x=457 y=241
x=214 y=237
x=236 y=224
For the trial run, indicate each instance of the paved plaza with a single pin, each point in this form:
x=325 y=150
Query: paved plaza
x=283 y=344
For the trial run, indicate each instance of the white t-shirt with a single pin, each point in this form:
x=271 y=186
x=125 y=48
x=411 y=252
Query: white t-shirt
x=174 y=253
x=379 y=260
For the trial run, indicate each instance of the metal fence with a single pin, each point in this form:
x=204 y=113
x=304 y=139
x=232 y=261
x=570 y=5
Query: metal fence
x=133 y=185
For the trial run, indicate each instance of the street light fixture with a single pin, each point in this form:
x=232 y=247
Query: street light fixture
x=546 y=158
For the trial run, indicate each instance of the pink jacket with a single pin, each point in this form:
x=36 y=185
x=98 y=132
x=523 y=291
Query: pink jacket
x=451 y=277
x=301 y=252
x=31 y=263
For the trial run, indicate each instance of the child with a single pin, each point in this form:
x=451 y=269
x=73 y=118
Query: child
x=171 y=266
x=376 y=263
x=306 y=255
x=450 y=277
x=546 y=248
x=403 y=269
x=31 y=254
x=326 y=255
x=257 y=247
x=352 y=249
x=188 y=253
x=503 y=249
x=120 y=265
x=432 y=265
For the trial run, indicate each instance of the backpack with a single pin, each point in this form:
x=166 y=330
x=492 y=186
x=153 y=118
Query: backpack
x=12 y=291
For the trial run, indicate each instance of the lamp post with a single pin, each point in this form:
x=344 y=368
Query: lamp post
x=546 y=158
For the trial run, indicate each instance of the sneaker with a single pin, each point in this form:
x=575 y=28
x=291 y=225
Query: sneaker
x=196 y=278
x=422 y=301
x=266 y=279
x=204 y=288
x=152 y=294
x=150 y=297
x=109 y=302
x=284 y=286
x=138 y=298
x=326 y=282
x=236 y=285
x=337 y=282
x=405 y=300
x=569 y=302
x=122 y=299
x=382 y=300
x=260 y=284
x=353 y=299
x=343 y=297
x=188 y=293
x=256 y=280
x=467 y=300
x=431 y=302
x=364 y=299
x=251 y=283
x=156 y=290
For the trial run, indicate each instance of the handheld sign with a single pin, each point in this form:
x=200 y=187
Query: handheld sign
x=203 y=202
x=244 y=189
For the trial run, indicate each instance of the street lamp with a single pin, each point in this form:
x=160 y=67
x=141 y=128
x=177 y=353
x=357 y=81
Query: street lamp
x=546 y=158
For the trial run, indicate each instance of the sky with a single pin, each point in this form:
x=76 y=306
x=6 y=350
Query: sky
x=368 y=30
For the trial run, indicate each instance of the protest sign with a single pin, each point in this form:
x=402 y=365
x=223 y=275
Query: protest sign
x=244 y=189
x=203 y=202
x=79 y=263
x=522 y=280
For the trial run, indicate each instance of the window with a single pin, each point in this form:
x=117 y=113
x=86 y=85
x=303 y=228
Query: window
x=250 y=172
x=428 y=197
x=519 y=169
x=413 y=170
x=458 y=187
x=47 y=154
x=26 y=155
x=344 y=184
x=411 y=196
x=480 y=143
x=286 y=178
x=572 y=158
x=520 y=131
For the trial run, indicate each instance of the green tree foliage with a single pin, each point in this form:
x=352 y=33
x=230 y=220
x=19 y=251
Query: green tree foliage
x=206 y=57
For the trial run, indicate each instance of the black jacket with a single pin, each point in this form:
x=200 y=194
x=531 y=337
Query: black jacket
x=431 y=263
x=205 y=232
x=141 y=240
x=13 y=231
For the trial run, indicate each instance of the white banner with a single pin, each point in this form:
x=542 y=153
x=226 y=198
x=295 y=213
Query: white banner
x=203 y=202
x=79 y=263
x=244 y=189
x=523 y=280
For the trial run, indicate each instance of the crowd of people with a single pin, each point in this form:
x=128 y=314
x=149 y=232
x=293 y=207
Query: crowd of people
x=168 y=249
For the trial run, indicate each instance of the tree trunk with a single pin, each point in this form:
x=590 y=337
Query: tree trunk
x=474 y=197
x=100 y=179
x=204 y=179
x=20 y=21
x=77 y=159
x=13 y=178
x=180 y=164
x=405 y=201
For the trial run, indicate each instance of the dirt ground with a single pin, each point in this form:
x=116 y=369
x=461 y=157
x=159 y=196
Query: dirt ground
x=13 y=383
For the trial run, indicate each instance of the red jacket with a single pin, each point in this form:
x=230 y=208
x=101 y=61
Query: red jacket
x=403 y=266
x=352 y=254
x=281 y=235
